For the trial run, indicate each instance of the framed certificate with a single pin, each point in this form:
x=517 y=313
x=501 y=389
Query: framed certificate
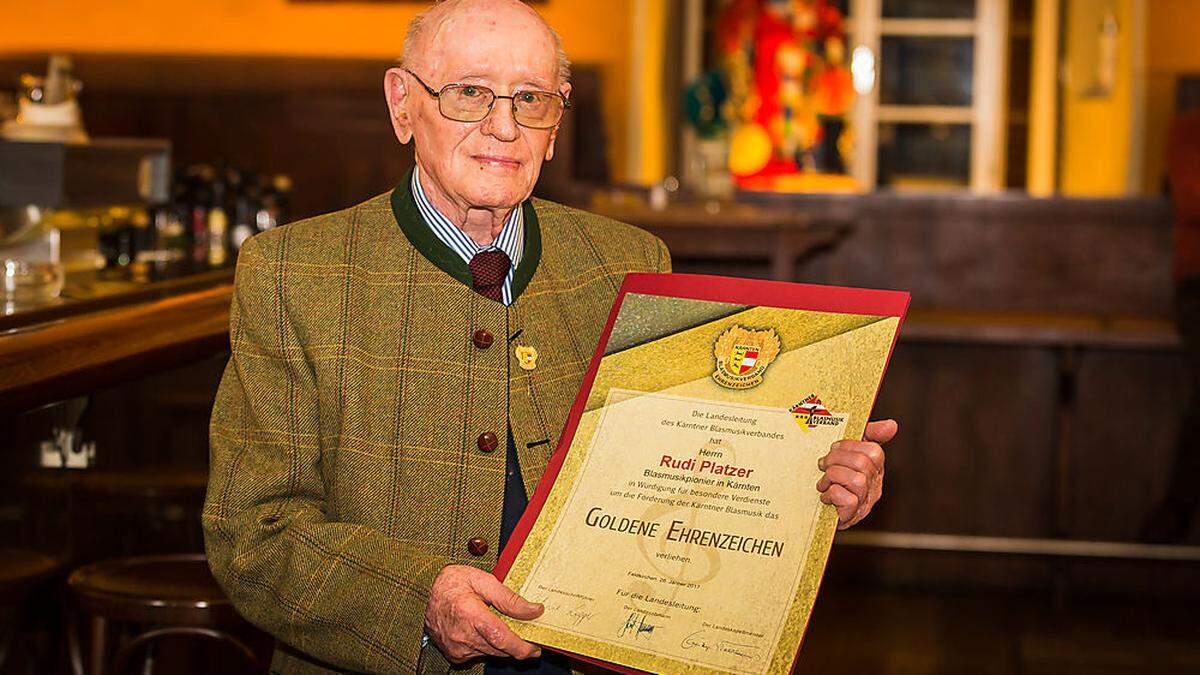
x=678 y=527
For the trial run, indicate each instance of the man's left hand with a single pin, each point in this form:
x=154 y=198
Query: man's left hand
x=853 y=479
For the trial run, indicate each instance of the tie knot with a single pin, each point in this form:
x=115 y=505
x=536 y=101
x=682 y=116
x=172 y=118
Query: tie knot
x=488 y=270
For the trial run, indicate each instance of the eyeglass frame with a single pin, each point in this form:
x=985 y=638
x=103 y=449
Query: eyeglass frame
x=491 y=106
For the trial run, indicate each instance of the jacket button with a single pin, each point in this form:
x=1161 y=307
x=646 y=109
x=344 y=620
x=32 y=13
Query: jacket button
x=487 y=441
x=477 y=547
x=482 y=339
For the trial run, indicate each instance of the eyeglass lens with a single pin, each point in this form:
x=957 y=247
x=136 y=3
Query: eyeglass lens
x=471 y=103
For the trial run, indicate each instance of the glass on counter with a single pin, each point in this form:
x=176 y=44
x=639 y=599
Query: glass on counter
x=30 y=265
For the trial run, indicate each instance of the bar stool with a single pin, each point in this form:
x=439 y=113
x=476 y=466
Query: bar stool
x=119 y=512
x=21 y=573
x=165 y=595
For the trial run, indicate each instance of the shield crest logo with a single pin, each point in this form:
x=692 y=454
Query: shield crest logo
x=743 y=358
x=743 y=355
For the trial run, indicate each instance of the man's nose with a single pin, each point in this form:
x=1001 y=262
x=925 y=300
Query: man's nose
x=500 y=123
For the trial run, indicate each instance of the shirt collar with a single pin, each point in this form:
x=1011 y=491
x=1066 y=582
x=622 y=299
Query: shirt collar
x=421 y=236
x=511 y=239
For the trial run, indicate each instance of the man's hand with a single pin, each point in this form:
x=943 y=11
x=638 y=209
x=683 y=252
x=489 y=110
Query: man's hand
x=853 y=479
x=458 y=621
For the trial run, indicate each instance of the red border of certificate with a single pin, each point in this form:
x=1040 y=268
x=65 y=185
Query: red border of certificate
x=755 y=292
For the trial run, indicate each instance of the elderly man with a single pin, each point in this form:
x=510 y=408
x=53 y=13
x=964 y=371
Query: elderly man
x=374 y=438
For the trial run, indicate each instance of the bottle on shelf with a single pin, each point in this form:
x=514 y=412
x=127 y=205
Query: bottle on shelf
x=217 y=226
x=214 y=211
x=170 y=231
x=245 y=206
x=198 y=190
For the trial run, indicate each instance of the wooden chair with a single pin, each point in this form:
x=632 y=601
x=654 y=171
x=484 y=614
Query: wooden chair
x=165 y=596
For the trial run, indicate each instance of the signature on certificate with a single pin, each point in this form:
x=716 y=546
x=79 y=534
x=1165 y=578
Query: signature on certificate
x=577 y=615
x=576 y=612
x=636 y=626
x=700 y=640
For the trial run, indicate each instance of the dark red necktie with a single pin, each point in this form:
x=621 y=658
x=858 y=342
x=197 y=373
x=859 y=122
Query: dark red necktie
x=488 y=269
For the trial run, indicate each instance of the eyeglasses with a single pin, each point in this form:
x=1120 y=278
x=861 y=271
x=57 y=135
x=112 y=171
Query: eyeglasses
x=473 y=102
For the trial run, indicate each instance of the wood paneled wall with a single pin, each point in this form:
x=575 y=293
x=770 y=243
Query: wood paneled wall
x=322 y=121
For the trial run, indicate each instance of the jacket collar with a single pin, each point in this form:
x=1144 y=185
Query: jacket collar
x=404 y=208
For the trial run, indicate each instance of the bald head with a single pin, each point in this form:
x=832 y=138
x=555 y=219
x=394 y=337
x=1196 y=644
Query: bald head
x=437 y=27
x=492 y=51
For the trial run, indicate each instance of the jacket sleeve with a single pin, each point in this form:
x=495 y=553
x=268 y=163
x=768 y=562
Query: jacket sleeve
x=343 y=593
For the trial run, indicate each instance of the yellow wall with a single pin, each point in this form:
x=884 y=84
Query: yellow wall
x=1096 y=131
x=648 y=124
x=592 y=32
x=1099 y=135
x=1173 y=49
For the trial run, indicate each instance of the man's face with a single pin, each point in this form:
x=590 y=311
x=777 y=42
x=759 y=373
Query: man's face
x=495 y=162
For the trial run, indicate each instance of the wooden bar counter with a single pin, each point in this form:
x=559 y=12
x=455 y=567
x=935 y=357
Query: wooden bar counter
x=103 y=331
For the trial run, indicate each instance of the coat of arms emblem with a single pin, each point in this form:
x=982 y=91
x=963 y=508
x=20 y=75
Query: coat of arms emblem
x=743 y=356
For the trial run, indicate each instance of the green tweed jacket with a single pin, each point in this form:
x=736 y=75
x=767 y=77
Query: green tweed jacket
x=346 y=469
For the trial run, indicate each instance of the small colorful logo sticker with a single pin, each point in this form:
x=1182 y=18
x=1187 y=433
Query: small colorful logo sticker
x=811 y=413
x=743 y=356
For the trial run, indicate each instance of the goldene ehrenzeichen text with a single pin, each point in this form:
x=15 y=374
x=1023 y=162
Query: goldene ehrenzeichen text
x=678 y=532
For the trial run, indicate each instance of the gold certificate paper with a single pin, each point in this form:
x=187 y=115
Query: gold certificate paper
x=678 y=527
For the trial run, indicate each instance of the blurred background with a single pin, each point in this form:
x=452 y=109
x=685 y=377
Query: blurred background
x=1028 y=169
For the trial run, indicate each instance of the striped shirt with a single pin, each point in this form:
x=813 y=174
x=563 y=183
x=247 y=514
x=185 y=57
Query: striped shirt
x=511 y=239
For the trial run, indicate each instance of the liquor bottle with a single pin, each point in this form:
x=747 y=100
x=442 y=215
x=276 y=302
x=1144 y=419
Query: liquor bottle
x=169 y=222
x=266 y=215
x=273 y=196
x=282 y=186
x=144 y=236
x=199 y=196
x=245 y=206
x=218 y=226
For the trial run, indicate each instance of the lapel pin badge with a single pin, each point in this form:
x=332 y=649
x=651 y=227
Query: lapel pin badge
x=527 y=357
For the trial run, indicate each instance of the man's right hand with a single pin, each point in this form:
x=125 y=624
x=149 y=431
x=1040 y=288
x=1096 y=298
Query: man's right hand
x=458 y=621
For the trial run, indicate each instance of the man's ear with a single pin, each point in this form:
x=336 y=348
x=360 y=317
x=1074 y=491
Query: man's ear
x=565 y=90
x=396 y=93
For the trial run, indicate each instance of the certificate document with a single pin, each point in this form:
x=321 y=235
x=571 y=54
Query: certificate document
x=678 y=527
